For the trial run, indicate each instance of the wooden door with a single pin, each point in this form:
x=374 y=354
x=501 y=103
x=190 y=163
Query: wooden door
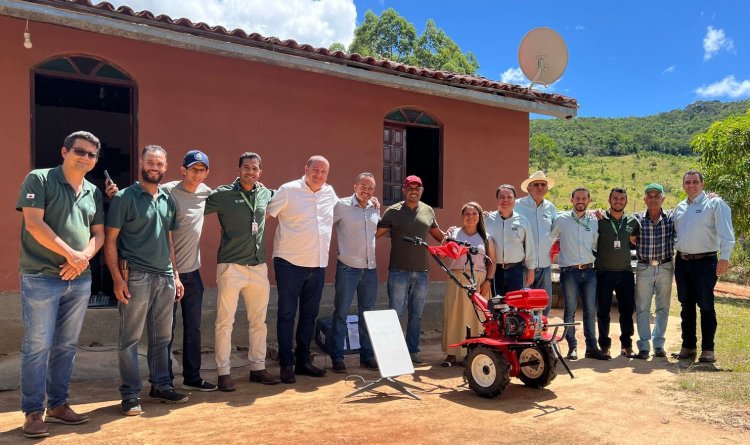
x=394 y=163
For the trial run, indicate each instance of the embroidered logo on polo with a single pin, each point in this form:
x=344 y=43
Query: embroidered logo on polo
x=30 y=196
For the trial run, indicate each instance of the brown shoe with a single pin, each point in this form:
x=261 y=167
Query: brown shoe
x=707 y=357
x=225 y=383
x=65 y=414
x=34 y=426
x=685 y=353
x=262 y=376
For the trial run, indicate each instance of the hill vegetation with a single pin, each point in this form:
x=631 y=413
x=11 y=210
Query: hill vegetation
x=632 y=172
x=666 y=133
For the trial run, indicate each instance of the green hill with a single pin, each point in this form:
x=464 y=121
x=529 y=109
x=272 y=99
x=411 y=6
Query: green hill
x=631 y=172
x=667 y=133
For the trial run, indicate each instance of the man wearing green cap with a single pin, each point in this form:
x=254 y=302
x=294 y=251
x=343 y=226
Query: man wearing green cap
x=654 y=250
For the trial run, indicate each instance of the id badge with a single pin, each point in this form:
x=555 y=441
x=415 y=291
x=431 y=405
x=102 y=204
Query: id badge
x=617 y=244
x=254 y=227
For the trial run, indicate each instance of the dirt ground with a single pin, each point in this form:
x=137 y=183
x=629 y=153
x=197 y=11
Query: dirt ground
x=619 y=401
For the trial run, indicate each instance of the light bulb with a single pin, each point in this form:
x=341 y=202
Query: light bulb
x=27 y=40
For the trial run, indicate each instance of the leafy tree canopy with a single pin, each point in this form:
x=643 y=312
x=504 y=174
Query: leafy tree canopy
x=392 y=37
x=668 y=133
x=724 y=151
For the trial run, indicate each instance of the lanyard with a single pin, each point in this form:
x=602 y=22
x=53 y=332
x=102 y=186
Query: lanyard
x=578 y=221
x=616 y=229
x=252 y=207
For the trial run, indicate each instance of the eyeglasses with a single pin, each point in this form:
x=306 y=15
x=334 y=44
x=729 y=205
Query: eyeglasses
x=538 y=184
x=413 y=189
x=80 y=152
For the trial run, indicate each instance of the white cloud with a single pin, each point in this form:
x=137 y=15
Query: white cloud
x=726 y=87
x=669 y=70
x=714 y=41
x=515 y=76
x=580 y=27
x=317 y=22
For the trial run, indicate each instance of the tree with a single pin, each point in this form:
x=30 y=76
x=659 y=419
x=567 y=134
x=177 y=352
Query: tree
x=337 y=46
x=544 y=152
x=389 y=36
x=392 y=37
x=434 y=49
x=725 y=164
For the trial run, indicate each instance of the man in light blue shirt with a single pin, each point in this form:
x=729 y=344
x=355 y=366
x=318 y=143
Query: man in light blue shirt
x=704 y=238
x=511 y=233
x=540 y=213
x=578 y=232
x=356 y=221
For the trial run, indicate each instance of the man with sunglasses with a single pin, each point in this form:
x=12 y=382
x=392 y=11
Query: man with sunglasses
x=61 y=230
x=540 y=213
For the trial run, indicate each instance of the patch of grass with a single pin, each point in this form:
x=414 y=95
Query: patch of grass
x=732 y=381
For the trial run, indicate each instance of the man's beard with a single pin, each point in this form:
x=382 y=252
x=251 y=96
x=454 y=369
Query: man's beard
x=146 y=178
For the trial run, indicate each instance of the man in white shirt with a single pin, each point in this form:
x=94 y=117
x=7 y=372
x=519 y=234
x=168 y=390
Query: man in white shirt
x=304 y=208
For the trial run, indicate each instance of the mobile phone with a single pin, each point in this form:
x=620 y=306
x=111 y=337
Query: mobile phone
x=109 y=178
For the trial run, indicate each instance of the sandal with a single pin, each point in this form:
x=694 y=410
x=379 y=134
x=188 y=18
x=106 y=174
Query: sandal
x=449 y=361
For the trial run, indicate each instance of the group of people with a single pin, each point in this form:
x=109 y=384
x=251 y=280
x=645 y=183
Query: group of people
x=151 y=235
x=595 y=262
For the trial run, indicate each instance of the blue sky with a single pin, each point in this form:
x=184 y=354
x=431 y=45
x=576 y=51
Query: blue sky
x=628 y=58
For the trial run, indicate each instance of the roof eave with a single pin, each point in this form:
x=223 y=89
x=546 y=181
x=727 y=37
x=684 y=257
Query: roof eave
x=165 y=34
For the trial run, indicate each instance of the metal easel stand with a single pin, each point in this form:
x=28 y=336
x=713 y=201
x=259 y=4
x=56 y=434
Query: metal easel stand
x=400 y=386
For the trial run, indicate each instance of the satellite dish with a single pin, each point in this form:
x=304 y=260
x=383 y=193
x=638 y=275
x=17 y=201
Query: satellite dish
x=542 y=56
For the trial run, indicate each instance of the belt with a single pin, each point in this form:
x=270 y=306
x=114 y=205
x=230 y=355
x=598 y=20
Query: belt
x=655 y=262
x=578 y=266
x=508 y=265
x=696 y=256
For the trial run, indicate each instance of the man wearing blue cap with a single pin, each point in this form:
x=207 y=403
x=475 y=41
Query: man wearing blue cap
x=190 y=196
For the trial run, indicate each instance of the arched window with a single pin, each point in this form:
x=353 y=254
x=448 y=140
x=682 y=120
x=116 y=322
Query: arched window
x=84 y=67
x=412 y=146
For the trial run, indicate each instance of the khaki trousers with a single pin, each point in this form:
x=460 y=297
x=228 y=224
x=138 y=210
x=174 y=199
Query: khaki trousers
x=252 y=283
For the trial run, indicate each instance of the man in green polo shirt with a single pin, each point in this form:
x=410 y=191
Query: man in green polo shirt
x=140 y=257
x=241 y=267
x=61 y=229
x=614 y=272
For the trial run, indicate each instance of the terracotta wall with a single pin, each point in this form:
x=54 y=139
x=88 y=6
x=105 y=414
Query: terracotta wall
x=227 y=106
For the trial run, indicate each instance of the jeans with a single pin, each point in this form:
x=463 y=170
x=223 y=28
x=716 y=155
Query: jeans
x=695 y=286
x=191 y=303
x=409 y=288
x=657 y=281
x=151 y=303
x=575 y=283
x=303 y=287
x=542 y=280
x=348 y=281
x=53 y=311
x=623 y=283
x=508 y=280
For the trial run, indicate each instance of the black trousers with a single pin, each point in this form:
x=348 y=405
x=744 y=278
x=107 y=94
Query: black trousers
x=622 y=282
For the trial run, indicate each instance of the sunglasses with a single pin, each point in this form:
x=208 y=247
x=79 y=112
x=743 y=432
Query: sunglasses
x=538 y=184
x=80 y=152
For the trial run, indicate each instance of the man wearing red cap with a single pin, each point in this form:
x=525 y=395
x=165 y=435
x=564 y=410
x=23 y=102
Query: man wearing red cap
x=407 y=272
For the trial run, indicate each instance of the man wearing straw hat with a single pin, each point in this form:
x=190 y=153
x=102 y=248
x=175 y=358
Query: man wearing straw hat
x=540 y=213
